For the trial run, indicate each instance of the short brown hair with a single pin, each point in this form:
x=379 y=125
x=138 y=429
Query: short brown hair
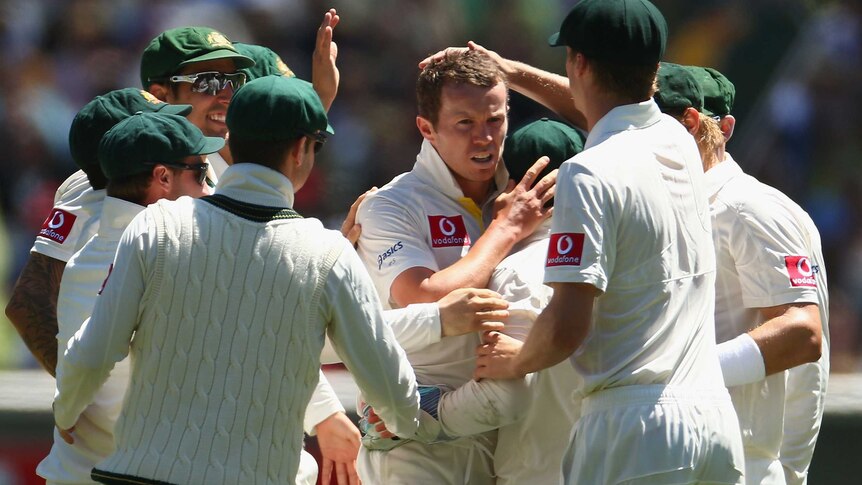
x=633 y=83
x=270 y=154
x=132 y=188
x=470 y=67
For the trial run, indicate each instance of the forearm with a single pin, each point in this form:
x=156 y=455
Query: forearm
x=546 y=88
x=32 y=308
x=791 y=337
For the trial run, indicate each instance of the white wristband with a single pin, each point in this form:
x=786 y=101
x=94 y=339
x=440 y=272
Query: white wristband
x=741 y=361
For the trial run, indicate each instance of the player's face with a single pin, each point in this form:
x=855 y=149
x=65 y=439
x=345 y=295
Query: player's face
x=208 y=111
x=187 y=182
x=469 y=133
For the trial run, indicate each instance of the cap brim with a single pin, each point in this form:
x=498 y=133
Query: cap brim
x=554 y=40
x=175 y=109
x=239 y=60
x=211 y=144
x=329 y=129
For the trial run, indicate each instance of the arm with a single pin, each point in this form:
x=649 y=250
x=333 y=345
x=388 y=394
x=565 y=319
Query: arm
x=324 y=73
x=518 y=213
x=32 y=307
x=546 y=88
x=557 y=333
x=337 y=437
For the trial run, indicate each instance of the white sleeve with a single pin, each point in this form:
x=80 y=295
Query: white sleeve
x=71 y=222
x=103 y=340
x=416 y=326
x=323 y=404
x=526 y=301
x=367 y=345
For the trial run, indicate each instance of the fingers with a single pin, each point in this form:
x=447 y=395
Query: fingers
x=533 y=173
x=66 y=434
x=341 y=474
x=326 y=471
x=548 y=182
x=491 y=326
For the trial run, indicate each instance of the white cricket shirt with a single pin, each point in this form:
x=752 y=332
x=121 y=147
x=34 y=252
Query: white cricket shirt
x=422 y=219
x=73 y=220
x=768 y=254
x=631 y=219
x=82 y=281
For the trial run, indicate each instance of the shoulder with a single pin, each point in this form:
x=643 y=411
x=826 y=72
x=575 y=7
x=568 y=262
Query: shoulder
x=73 y=188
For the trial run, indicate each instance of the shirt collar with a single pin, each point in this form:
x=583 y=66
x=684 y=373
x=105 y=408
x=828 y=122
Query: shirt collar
x=432 y=170
x=722 y=173
x=117 y=214
x=217 y=164
x=256 y=184
x=626 y=117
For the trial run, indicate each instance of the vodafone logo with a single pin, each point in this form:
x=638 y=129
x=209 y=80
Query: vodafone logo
x=565 y=249
x=448 y=231
x=58 y=225
x=800 y=271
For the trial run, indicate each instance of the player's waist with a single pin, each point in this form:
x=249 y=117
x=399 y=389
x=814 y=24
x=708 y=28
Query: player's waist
x=624 y=396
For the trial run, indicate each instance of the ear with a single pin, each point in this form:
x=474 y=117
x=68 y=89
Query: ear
x=691 y=120
x=426 y=128
x=297 y=152
x=160 y=91
x=727 y=124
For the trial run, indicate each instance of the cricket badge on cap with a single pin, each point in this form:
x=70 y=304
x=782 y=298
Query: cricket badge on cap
x=58 y=225
x=800 y=270
x=150 y=98
x=565 y=249
x=448 y=231
x=217 y=39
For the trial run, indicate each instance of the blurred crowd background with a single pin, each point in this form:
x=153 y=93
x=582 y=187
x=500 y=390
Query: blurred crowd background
x=797 y=66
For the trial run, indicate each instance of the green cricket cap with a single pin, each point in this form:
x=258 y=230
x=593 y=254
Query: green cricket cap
x=136 y=143
x=101 y=114
x=678 y=89
x=276 y=108
x=718 y=92
x=266 y=61
x=544 y=137
x=622 y=31
x=174 y=48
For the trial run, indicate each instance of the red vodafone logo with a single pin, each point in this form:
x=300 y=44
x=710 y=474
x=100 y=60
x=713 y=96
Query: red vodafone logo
x=565 y=249
x=58 y=225
x=448 y=231
x=800 y=271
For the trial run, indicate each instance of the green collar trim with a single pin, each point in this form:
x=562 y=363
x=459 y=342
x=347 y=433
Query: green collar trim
x=251 y=212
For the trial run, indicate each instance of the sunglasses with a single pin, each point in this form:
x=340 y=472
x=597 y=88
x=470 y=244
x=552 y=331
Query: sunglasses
x=211 y=82
x=319 y=140
x=202 y=168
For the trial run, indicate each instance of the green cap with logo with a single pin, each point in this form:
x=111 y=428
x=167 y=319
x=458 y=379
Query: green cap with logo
x=718 y=92
x=678 y=89
x=135 y=144
x=174 y=48
x=100 y=115
x=266 y=61
x=276 y=108
x=544 y=137
x=623 y=31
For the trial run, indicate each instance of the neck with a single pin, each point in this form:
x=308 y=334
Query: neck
x=477 y=191
x=598 y=104
x=225 y=153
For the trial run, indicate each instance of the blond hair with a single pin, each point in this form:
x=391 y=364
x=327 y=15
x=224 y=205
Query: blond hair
x=710 y=140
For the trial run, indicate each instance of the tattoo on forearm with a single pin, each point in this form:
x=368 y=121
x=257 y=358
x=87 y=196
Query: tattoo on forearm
x=33 y=307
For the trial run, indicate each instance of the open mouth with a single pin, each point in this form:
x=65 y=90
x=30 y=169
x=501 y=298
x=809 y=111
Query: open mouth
x=482 y=158
x=219 y=118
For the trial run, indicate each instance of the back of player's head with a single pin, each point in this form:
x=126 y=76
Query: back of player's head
x=678 y=89
x=471 y=67
x=274 y=111
x=172 y=49
x=100 y=115
x=718 y=92
x=266 y=61
x=558 y=141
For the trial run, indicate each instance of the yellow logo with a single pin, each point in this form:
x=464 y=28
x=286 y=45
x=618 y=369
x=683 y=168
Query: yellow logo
x=216 y=39
x=282 y=67
x=150 y=98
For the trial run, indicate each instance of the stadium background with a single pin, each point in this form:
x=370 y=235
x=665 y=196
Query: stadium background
x=797 y=66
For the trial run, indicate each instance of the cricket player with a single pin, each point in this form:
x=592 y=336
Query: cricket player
x=32 y=307
x=430 y=231
x=771 y=292
x=632 y=266
x=228 y=368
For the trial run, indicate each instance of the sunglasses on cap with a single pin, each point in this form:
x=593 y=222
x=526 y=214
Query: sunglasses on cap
x=210 y=82
x=319 y=138
x=202 y=168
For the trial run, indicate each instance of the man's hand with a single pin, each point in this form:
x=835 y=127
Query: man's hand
x=521 y=208
x=471 y=46
x=467 y=310
x=324 y=74
x=66 y=434
x=339 y=444
x=496 y=357
x=349 y=227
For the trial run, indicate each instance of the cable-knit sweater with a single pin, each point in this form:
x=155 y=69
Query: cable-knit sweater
x=223 y=303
